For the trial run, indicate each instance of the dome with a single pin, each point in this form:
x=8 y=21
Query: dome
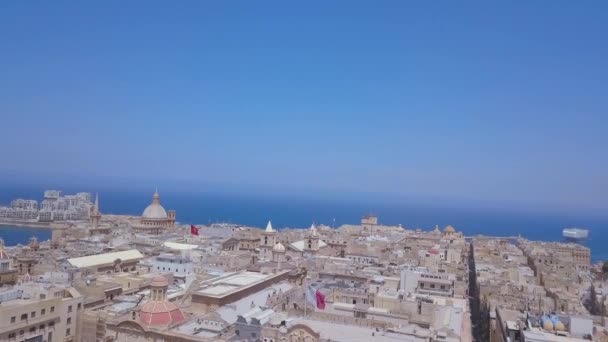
x=155 y=210
x=160 y=313
x=559 y=326
x=159 y=281
x=278 y=248
x=450 y=229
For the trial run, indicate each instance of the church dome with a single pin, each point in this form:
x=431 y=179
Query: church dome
x=159 y=281
x=155 y=210
x=160 y=313
x=449 y=229
x=278 y=248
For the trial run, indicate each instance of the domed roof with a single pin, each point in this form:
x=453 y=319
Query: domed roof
x=159 y=281
x=160 y=313
x=278 y=248
x=155 y=210
x=559 y=326
x=449 y=229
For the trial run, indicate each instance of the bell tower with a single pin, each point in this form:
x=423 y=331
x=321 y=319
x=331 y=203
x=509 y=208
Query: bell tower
x=267 y=241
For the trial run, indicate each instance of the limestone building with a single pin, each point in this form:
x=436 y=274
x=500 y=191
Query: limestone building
x=8 y=274
x=267 y=241
x=40 y=312
x=155 y=219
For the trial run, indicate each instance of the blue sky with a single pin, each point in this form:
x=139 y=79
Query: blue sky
x=504 y=103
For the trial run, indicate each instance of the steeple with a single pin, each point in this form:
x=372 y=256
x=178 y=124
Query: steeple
x=96 y=202
x=269 y=228
x=312 y=239
x=313 y=230
x=3 y=254
x=95 y=215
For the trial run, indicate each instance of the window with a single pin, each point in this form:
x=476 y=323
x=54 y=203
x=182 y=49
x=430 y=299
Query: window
x=52 y=309
x=23 y=317
x=69 y=321
x=33 y=314
x=42 y=312
x=69 y=308
x=51 y=324
x=33 y=329
x=80 y=304
x=13 y=319
x=432 y=286
x=21 y=332
x=41 y=327
x=11 y=335
x=68 y=331
x=421 y=285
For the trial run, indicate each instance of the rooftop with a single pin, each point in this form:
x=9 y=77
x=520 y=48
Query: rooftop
x=105 y=259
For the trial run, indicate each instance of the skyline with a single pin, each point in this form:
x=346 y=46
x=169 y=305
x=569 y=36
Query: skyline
x=417 y=102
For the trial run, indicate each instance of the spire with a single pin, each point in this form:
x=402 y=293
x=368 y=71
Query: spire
x=3 y=254
x=313 y=230
x=96 y=202
x=156 y=197
x=269 y=228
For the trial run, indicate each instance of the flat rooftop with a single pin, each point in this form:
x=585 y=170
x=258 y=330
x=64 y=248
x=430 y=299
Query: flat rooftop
x=354 y=333
x=105 y=258
x=232 y=283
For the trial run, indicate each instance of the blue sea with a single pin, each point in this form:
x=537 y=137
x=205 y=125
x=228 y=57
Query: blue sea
x=299 y=211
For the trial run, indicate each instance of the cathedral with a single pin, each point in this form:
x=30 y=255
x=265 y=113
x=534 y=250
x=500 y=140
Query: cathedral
x=155 y=220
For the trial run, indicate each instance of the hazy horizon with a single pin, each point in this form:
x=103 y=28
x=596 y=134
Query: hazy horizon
x=34 y=187
x=484 y=104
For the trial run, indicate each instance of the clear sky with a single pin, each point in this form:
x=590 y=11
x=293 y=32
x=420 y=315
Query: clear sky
x=503 y=102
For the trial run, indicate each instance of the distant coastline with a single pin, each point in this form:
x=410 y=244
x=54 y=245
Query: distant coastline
x=28 y=224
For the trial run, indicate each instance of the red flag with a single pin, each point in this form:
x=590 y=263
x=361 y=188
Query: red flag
x=193 y=230
x=320 y=300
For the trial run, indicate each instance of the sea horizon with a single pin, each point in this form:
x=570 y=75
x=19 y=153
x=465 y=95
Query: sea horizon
x=299 y=212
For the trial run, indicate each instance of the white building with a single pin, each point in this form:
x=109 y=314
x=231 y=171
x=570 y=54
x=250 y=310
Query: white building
x=180 y=266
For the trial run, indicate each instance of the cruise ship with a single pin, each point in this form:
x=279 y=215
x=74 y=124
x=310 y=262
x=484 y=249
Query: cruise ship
x=575 y=233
